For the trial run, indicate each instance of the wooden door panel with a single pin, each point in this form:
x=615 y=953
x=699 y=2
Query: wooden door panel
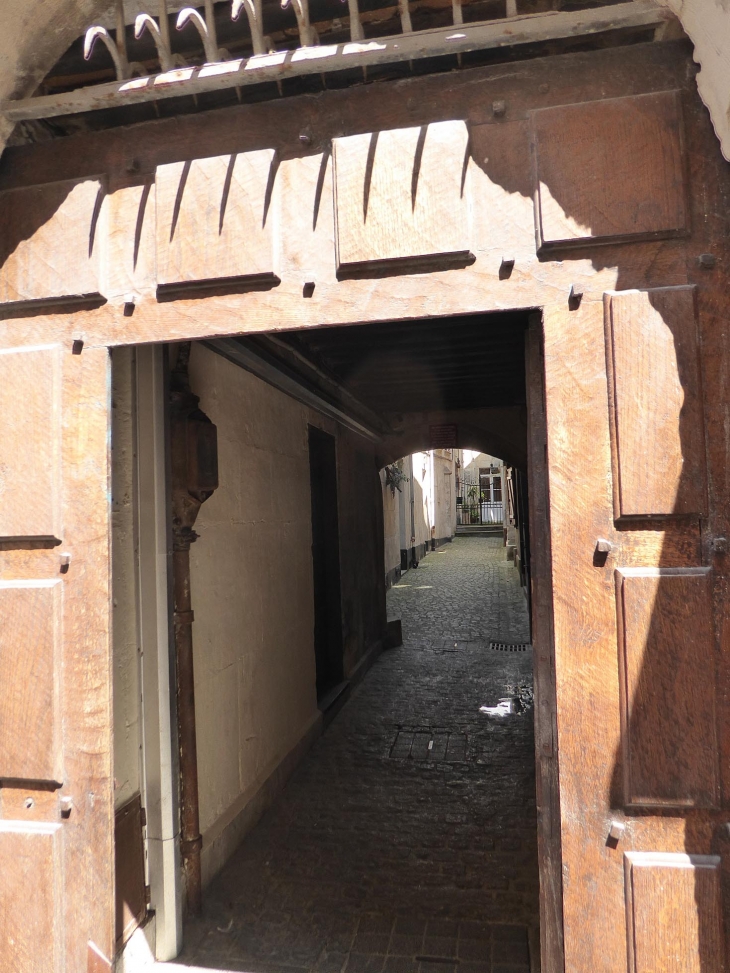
x=637 y=694
x=655 y=403
x=217 y=221
x=610 y=170
x=586 y=671
x=31 y=925
x=56 y=798
x=673 y=913
x=401 y=199
x=31 y=613
x=49 y=250
x=667 y=669
x=30 y=451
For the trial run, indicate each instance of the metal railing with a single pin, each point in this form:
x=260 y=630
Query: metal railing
x=205 y=25
x=479 y=512
x=137 y=82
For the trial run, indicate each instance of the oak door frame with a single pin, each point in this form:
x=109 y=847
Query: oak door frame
x=549 y=852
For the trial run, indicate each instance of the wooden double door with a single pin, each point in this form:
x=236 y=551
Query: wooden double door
x=638 y=741
x=56 y=793
x=605 y=179
x=630 y=637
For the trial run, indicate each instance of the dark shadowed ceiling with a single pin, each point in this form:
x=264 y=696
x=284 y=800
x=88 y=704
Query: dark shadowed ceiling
x=465 y=362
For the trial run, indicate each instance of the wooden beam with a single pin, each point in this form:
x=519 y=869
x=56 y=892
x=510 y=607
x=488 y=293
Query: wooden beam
x=530 y=29
x=259 y=364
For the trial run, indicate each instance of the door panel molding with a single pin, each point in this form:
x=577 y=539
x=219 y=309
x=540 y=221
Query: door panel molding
x=655 y=403
x=668 y=710
x=673 y=912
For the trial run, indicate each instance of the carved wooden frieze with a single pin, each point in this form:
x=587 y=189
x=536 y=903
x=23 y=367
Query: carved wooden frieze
x=402 y=200
x=610 y=170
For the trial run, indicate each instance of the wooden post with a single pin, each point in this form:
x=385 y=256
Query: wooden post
x=194 y=478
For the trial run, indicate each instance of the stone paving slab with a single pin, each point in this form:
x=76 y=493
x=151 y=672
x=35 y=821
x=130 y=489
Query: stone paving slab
x=385 y=854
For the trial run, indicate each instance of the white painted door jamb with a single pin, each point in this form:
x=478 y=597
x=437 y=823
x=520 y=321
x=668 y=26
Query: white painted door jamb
x=159 y=720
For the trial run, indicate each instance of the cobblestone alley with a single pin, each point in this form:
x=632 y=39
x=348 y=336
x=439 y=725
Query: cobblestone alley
x=385 y=856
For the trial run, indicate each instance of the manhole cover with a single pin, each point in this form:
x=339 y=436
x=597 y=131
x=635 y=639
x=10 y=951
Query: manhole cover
x=510 y=646
x=434 y=745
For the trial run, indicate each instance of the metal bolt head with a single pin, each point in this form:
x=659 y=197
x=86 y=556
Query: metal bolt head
x=305 y=137
x=574 y=298
x=506 y=267
x=720 y=545
x=499 y=107
x=615 y=833
x=707 y=261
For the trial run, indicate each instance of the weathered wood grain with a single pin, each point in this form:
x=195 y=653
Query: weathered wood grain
x=88 y=837
x=660 y=548
x=217 y=220
x=667 y=668
x=655 y=396
x=543 y=642
x=30 y=498
x=586 y=674
x=400 y=196
x=29 y=702
x=48 y=244
x=129 y=869
x=501 y=194
x=127 y=220
x=56 y=821
x=608 y=170
x=674 y=913
x=30 y=925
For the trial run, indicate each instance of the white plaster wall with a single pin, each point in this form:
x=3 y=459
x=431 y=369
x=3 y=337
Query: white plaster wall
x=434 y=508
x=707 y=24
x=126 y=679
x=251 y=582
x=480 y=461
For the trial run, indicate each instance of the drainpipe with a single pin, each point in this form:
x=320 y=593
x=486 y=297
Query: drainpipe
x=194 y=455
x=413 y=512
x=433 y=499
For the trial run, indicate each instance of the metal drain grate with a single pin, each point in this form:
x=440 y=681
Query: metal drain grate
x=510 y=646
x=432 y=744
